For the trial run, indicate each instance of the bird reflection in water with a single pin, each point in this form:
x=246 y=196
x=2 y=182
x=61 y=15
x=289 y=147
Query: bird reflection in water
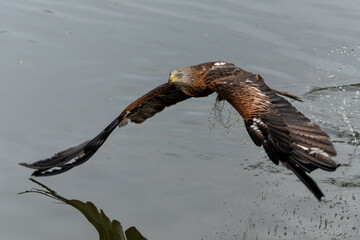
x=107 y=229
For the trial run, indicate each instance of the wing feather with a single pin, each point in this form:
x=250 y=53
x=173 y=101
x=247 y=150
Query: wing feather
x=272 y=122
x=153 y=102
x=138 y=111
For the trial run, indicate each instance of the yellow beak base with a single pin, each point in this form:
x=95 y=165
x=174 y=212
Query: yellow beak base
x=174 y=79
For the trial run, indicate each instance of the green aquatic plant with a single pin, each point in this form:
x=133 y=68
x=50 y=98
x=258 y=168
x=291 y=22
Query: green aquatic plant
x=107 y=229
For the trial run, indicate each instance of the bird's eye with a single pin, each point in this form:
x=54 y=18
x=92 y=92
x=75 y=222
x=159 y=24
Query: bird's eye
x=180 y=75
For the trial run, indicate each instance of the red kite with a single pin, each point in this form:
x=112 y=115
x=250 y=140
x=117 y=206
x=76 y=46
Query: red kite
x=272 y=122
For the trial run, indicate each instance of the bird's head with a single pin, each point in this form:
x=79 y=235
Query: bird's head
x=191 y=75
x=180 y=77
x=190 y=81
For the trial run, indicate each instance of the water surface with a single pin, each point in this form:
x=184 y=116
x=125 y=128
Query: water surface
x=70 y=67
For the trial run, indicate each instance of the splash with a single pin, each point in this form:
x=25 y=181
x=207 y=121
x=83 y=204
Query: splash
x=224 y=114
x=340 y=70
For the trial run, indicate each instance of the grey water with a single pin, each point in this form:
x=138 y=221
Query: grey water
x=68 y=68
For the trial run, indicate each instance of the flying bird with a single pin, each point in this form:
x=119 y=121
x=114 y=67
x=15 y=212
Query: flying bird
x=271 y=121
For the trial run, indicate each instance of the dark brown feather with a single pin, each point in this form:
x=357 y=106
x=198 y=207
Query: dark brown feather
x=153 y=102
x=286 y=134
x=289 y=95
x=308 y=181
x=138 y=111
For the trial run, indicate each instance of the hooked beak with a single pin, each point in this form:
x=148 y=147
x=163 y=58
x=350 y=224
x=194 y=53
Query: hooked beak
x=173 y=79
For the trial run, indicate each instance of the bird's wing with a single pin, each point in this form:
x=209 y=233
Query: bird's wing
x=272 y=122
x=138 y=111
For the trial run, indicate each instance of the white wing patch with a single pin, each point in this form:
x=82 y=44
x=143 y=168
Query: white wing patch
x=254 y=126
x=123 y=122
x=256 y=123
x=220 y=63
x=256 y=131
x=257 y=120
x=303 y=147
x=315 y=150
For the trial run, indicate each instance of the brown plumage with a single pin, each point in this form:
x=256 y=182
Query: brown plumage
x=272 y=122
